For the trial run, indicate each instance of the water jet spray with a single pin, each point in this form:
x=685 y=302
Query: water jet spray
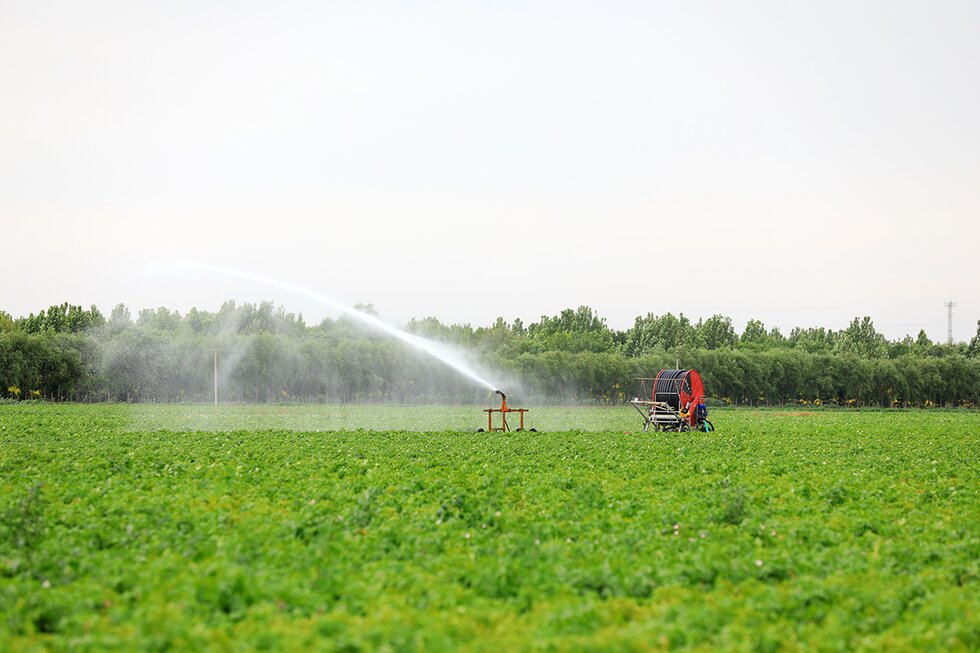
x=437 y=350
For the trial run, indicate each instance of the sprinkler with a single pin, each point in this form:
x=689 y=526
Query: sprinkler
x=503 y=410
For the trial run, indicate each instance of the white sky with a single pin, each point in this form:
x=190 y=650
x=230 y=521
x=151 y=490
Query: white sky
x=800 y=163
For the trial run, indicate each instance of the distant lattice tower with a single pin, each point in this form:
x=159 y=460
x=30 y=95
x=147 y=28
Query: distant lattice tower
x=949 y=321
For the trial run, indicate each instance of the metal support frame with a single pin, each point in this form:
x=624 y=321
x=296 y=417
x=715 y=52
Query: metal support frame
x=659 y=414
x=503 y=410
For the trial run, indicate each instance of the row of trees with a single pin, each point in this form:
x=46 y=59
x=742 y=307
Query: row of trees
x=577 y=330
x=267 y=354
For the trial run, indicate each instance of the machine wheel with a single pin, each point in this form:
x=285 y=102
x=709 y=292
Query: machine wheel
x=533 y=430
x=707 y=427
x=481 y=431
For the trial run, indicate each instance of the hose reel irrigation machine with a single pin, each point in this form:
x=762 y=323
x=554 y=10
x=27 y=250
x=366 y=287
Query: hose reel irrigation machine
x=676 y=402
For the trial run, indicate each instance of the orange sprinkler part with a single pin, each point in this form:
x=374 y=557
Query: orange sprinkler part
x=503 y=410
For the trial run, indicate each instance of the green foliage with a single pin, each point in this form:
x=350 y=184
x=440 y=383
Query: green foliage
x=782 y=531
x=501 y=339
x=22 y=526
x=119 y=319
x=664 y=333
x=755 y=333
x=575 y=331
x=974 y=350
x=159 y=319
x=861 y=338
x=7 y=323
x=716 y=332
x=813 y=340
x=267 y=354
x=63 y=318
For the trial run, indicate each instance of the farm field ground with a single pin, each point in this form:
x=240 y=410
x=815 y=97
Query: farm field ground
x=386 y=528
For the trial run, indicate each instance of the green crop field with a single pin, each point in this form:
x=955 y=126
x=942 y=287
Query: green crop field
x=399 y=529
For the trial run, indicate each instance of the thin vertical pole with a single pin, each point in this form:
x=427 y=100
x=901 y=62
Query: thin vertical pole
x=215 y=377
x=949 y=320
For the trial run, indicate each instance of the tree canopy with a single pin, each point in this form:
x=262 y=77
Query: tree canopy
x=268 y=354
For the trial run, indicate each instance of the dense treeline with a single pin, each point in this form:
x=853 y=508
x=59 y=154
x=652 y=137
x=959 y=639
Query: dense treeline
x=266 y=354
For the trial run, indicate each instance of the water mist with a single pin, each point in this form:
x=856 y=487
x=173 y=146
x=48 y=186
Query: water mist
x=434 y=349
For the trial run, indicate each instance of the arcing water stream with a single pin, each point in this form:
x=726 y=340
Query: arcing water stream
x=434 y=349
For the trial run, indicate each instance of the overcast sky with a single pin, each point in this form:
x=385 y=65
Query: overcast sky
x=799 y=163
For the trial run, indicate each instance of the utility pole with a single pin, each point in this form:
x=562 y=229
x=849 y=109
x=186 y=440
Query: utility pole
x=949 y=320
x=215 y=377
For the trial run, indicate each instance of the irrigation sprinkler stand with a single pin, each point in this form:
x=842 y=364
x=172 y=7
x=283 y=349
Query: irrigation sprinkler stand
x=503 y=410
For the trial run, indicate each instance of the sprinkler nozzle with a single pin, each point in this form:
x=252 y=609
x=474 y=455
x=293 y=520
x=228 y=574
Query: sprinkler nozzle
x=501 y=393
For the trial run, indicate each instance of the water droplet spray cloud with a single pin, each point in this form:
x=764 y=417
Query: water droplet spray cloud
x=435 y=349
